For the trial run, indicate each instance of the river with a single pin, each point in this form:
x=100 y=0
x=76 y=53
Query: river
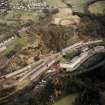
x=67 y=100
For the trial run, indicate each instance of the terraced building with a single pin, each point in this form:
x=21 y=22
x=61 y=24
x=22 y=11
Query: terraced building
x=4 y=4
x=29 y=5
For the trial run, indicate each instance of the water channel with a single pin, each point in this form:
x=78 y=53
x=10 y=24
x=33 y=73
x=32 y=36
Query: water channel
x=67 y=100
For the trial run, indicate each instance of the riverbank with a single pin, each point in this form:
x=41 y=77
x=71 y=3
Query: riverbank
x=66 y=100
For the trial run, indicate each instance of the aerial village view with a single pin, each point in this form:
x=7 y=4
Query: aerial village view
x=52 y=52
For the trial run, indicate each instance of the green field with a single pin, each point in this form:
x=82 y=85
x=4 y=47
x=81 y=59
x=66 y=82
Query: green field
x=79 y=5
x=19 y=18
x=16 y=44
x=97 y=8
